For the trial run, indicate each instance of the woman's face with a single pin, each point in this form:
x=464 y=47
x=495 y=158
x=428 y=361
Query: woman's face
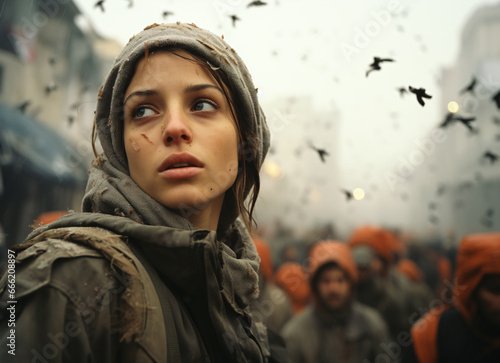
x=179 y=134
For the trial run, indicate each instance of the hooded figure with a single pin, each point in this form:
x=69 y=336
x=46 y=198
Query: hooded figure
x=468 y=328
x=335 y=328
x=160 y=266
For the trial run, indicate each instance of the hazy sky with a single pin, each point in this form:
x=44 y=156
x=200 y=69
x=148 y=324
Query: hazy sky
x=320 y=50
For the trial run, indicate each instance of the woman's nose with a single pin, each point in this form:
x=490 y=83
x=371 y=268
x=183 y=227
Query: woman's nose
x=177 y=128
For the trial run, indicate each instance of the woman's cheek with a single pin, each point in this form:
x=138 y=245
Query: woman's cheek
x=133 y=145
x=146 y=138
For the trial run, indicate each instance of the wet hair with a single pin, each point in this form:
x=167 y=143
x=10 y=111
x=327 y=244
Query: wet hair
x=243 y=194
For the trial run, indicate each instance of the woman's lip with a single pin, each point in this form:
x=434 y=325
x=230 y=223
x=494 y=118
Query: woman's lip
x=179 y=159
x=181 y=173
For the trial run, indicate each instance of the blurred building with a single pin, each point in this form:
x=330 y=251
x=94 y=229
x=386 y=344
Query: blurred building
x=460 y=191
x=52 y=64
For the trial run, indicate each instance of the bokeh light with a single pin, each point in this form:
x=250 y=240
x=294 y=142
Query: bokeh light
x=453 y=107
x=273 y=169
x=358 y=193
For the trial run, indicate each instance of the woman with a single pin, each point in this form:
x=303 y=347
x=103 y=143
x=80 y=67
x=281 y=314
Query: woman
x=158 y=267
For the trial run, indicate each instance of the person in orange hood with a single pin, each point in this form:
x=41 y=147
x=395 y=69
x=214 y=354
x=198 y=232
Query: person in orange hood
x=273 y=307
x=380 y=240
x=335 y=328
x=292 y=277
x=468 y=329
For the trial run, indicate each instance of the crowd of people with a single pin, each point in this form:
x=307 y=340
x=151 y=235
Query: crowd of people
x=375 y=298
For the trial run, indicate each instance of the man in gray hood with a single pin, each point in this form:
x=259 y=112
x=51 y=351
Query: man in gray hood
x=130 y=279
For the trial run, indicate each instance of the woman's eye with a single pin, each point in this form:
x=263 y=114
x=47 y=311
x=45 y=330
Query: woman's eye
x=142 y=111
x=204 y=106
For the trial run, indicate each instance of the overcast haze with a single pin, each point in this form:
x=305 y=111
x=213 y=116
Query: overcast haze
x=320 y=51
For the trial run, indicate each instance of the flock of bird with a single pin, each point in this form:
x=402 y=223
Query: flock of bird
x=420 y=94
x=450 y=119
x=234 y=18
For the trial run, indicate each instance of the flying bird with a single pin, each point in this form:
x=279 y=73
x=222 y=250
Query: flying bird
x=100 y=4
x=492 y=157
x=470 y=87
x=420 y=93
x=452 y=118
x=487 y=218
x=256 y=3
x=234 y=18
x=347 y=193
x=375 y=66
x=23 y=106
x=402 y=91
x=51 y=87
x=167 y=13
x=52 y=61
x=496 y=99
x=448 y=120
x=467 y=122
x=321 y=152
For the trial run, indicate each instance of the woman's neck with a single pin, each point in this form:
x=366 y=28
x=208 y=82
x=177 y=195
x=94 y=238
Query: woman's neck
x=206 y=217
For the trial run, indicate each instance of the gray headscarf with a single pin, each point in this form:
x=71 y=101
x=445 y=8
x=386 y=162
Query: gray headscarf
x=110 y=188
x=229 y=279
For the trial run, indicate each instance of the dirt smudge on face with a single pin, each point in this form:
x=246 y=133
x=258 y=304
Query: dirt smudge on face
x=134 y=145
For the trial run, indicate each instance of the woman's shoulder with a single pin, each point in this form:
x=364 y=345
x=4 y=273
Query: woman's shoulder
x=74 y=260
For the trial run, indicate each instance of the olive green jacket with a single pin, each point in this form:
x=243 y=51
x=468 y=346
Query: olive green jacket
x=114 y=290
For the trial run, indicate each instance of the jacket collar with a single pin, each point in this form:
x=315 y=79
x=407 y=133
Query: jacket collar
x=194 y=262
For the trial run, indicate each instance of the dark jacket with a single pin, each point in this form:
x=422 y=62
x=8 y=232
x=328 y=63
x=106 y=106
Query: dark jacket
x=356 y=338
x=456 y=342
x=130 y=293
